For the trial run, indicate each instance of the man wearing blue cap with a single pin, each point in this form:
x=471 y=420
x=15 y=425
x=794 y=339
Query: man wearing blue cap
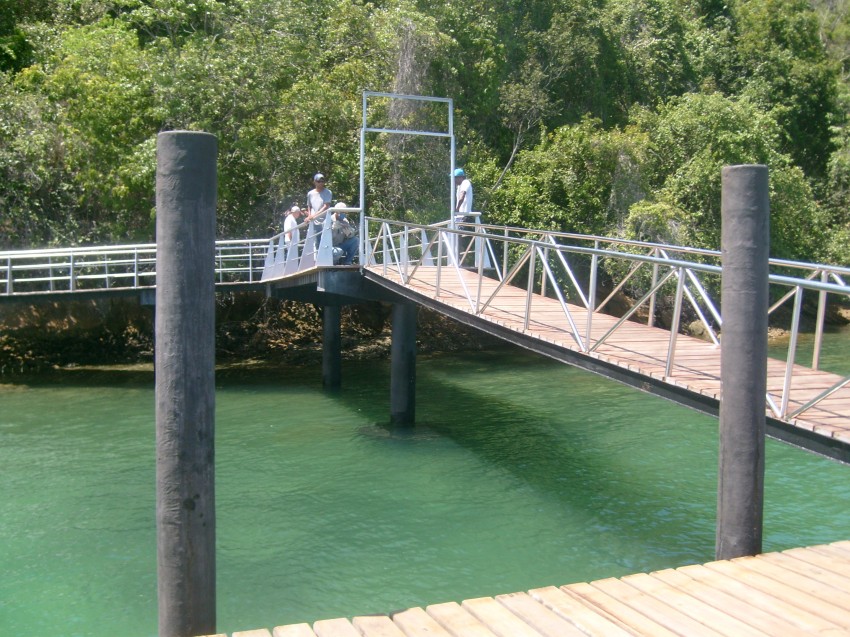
x=463 y=206
x=463 y=197
x=318 y=201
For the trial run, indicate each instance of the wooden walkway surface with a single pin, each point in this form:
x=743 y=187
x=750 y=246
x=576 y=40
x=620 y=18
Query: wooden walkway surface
x=634 y=346
x=802 y=591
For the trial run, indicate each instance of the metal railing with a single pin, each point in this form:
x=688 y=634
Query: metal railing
x=116 y=267
x=571 y=268
x=314 y=249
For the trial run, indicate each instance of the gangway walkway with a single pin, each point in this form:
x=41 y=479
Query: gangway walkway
x=539 y=289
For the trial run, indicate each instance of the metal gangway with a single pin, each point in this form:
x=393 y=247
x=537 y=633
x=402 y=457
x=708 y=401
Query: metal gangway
x=555 y=292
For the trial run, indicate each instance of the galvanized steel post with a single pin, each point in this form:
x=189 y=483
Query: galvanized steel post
x=403 y=364
x=185 y=382
x=745 y=244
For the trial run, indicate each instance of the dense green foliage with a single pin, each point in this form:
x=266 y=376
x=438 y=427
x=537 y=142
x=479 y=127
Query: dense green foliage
x=609 y=116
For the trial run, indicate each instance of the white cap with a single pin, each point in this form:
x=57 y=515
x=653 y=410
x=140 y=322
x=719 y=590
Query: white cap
x=295 y=209
x=339 y=204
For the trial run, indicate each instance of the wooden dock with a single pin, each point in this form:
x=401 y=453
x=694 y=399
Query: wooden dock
x=634 y=353
x=801 y=591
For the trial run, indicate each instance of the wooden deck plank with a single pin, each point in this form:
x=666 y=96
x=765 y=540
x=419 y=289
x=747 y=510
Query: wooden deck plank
x=655 y=608
x=786 y=593
x=415 y=622
x=498 y=618
x=540 y=618
x=293 y=630
x=768 y=623
x=457 y=620
x=593 y=621
x=821 y=575
x=335 y=628
x=637 y=622
x=802 y=582
x=376 y=626
x=799 y=617
x=691 y=606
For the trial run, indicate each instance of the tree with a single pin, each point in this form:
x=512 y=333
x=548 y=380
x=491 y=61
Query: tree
x=692 y=137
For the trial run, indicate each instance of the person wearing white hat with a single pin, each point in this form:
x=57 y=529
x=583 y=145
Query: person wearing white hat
x=344 y=235
x=290 y=226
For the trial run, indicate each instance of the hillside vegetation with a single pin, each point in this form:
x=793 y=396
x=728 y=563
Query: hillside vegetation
x=605 y=116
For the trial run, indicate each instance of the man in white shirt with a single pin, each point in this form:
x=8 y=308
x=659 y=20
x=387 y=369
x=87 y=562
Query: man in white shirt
x=318 y=201
x=463 y=206
x=463 y=195
x=290 y=226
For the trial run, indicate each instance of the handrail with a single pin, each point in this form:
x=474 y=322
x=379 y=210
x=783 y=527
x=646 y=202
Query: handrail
x=116 y=267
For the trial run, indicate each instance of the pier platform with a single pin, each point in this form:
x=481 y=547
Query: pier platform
x=801 y=591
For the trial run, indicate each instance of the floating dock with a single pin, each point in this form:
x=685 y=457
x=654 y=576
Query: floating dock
x=801 y=591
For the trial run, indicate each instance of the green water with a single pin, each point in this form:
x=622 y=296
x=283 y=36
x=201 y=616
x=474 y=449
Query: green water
x=521 y=473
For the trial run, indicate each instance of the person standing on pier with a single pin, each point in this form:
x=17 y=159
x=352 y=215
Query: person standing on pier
x=318 y=201
x=463 y=195
x=290 y=226
x=463 y=206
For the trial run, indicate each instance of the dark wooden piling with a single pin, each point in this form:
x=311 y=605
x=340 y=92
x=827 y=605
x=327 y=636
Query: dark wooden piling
x=403 y=364
x=185 y=382
x=331 y=348
x=745 y=244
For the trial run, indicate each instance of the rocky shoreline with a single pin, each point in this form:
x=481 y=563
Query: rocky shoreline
x=251 y=329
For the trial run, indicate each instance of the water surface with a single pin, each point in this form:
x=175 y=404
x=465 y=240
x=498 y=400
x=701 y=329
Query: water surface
x=521 y=473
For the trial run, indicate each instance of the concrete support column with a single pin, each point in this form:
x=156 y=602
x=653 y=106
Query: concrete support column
x=745 y=244
x=185 y=382
x=331 y=348
x=403 y=365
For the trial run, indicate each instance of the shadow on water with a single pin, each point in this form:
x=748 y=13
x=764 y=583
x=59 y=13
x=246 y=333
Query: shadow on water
x=592 y=460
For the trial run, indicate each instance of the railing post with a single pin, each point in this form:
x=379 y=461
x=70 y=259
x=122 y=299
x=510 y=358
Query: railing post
x=72 y=281
x=135 y=267
x=10 y=286
x=439 y=261
x=543 y=273
x=405 y=256
x=792 y=352
x=386 y=247
x=532 y=265
x=505 y=253
x=745 y=241
x=591 y=294
x=824 y=277
x=185 y=382
x=650 y=321
x=674 y=327
x=250 y=262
